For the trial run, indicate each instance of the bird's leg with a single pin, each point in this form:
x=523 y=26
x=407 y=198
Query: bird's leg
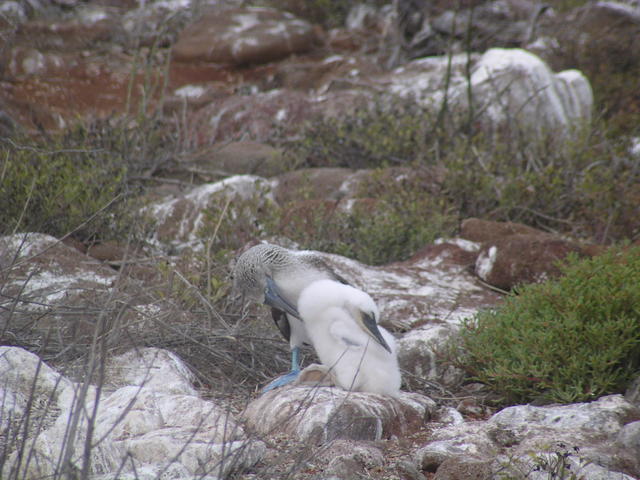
x=295 y=359
x=289 y=377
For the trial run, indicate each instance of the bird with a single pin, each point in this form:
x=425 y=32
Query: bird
x=275 y=276
x=342 y=323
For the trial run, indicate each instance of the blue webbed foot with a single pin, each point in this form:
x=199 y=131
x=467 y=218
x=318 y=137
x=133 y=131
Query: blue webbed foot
x=282 y=381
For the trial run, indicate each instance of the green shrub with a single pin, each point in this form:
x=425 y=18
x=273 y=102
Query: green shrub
x=79 y=182
x=566 y=340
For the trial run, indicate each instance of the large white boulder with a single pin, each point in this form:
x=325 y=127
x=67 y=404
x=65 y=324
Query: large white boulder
x=145 y=418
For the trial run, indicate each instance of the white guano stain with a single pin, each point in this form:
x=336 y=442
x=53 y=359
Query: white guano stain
x=486 y=261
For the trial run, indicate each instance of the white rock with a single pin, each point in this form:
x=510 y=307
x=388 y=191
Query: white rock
x=604 y=416
x=179 y=219
x=514 y=85
x=145 y=426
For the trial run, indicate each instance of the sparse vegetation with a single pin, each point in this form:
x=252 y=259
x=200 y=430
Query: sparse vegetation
x=589 y=187
x=393 y=217
x=81 y=182
x=520 y=350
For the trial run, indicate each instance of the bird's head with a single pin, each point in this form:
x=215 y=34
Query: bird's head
x=254 y=277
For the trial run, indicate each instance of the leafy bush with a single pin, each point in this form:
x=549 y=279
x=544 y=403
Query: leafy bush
x=567 y=340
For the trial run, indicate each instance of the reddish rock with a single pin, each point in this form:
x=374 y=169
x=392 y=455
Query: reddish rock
x=108 y=252
x=77 y=34
x=522 y=258
x=259 y=116
x=242 y=36
x=478 y=230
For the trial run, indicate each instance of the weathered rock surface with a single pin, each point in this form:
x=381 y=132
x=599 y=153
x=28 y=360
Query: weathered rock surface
x=147 y=420
x=322 y=414
x=513 y=86
x=515 y=438
x=243 y=36
x=45 y=284
x=513 y=254
x=523 y=258
x=180 y=217
x=277 y=94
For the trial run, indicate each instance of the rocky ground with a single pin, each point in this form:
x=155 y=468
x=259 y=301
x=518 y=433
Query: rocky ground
x=116 y=366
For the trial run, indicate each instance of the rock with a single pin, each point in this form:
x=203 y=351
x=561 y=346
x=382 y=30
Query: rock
x=58 y=299
x=243 y=157
x=418 y=354
x=502 y=23
x=522 y=258
x=460 y=468
x=315 y=183
x=512 y=86
x=180 y=218
x=628 y=441
x=469 y=441
x=633 y=392
x=518 y=437
x=89 y=26
x=348 y=459
x=155 y=24
x=422 y=290
x=481 y=231
x=256 y=116
x=48 y=281
x=322 y=414
x=111 y=251
x=608 y=31
x=605 y=416
x=243 y=36
x=152 y=422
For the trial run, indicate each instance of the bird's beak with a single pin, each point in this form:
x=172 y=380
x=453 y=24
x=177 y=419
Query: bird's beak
x=274 y=298
x=369 y=325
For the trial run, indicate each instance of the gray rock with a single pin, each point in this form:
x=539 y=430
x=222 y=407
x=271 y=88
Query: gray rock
x=323 y=414
x=628 y=441
x=348 y=459
x=605 y=416
x=180 y=217
x=152 y=422
x=633 y=392
x=592 y=437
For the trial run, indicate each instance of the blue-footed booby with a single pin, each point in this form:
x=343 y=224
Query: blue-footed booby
x=275 y=276
x=342 y=323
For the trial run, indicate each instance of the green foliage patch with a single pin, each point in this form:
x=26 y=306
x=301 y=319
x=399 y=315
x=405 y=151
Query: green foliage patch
x=80 y=182
x=567 y=340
